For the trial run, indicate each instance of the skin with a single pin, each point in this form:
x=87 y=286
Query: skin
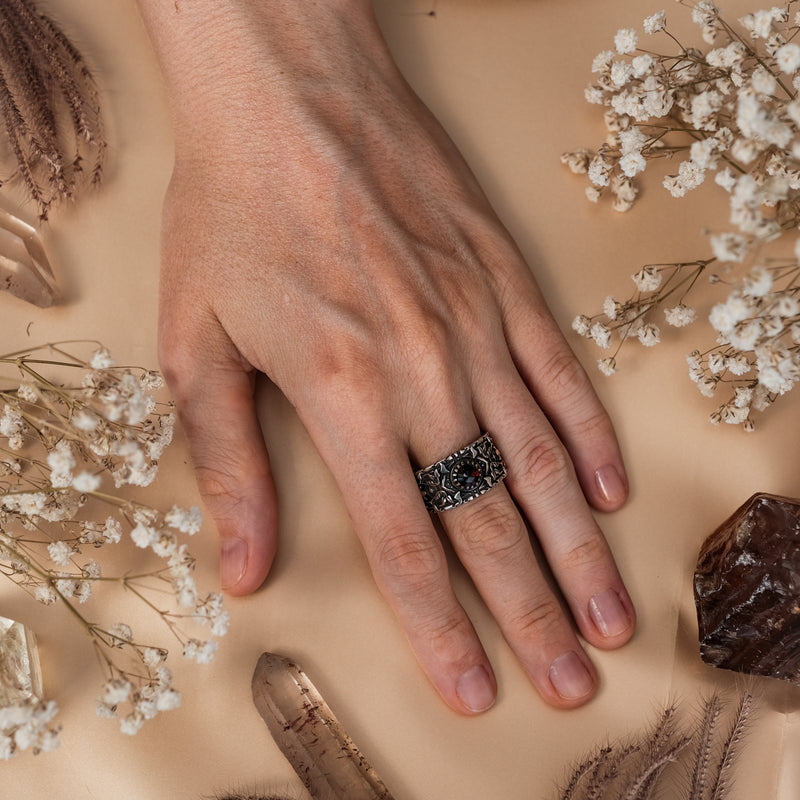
x=321 y=228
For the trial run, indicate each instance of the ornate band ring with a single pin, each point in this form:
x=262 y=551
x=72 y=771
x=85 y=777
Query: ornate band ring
x=466 y=474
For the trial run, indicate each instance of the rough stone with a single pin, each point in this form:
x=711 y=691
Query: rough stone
x=747 y=590
x=20 y=672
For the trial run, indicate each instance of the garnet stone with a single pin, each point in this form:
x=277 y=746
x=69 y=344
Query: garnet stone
x=467 y=474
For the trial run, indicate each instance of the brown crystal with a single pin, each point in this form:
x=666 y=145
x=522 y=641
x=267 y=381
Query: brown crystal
x=747 y=590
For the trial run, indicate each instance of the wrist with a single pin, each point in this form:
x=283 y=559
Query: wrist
x=221 y=54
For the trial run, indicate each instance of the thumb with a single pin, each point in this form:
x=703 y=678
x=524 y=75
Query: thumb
x=217 y=410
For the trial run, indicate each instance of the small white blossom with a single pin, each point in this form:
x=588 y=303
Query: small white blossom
x=116 y=691
x=648 y=279
x=592 y=194
x=132 y=723
x=45 y=594
x=642 y=64
x=608 y=366
x=27 y=393
x=611 y=307
x=60 y=553
x=101 y=359
x=729 y=247
x=601 y=334
x=679 y=316
x=577 y=160
x=632 y=164
x=602 y=61
x=186 y=521
x=726 y=179
x=649 y=334
x=758 y=283
x=86 y=482
x=621 y=73
x=625 y=41
x=121 y=633
x=599 y=170
x=143 y=536
x=199 y=651
x=153 y=656
x=655 y=22
x=763 y=81
x=788 y=58
x=582 y=325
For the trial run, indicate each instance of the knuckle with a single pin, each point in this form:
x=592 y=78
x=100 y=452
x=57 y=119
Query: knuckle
x=544 y=464
x=492 y=529
x=539 y=621
x=564 y=374
x=448 y=637
x=414 y=559
x=220 y=488
x=586 y=555
x=594 y=426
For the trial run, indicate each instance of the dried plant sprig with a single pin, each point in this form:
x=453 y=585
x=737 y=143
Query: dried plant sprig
x=61 y=439
x=49 y=106
x=730 y=749
x=632 y=769
x=730 y=109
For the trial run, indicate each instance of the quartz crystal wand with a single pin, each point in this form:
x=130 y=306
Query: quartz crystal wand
x=310 y=736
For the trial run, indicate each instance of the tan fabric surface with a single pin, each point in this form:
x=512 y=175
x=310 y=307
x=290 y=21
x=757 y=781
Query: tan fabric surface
x=506 y=78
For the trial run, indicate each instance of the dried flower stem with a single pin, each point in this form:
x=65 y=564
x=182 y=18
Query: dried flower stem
x=632 y=770
x=107 y=424
x=732 y=110
x=44 y=81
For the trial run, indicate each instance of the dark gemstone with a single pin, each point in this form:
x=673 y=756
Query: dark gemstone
x=467 y=474
x=747 y=590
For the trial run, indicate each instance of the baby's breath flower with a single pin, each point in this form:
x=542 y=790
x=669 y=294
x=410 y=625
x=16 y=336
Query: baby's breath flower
x=199 y=651
x=608 y=366
x=186 y=521
x=649 y=334
x=648 y=279
x=729 y=113
x=60 y=553
x=582 y=325
x=45 y=594
x=655 y=22
x=679 y=316
x=625 y=41
x=101 y=359
x=788 y=58
x=729 y=246
x=601 y=334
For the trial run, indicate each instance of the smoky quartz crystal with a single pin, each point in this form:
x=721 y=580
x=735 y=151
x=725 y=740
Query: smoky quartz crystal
x=747 y=590
x=20 y=672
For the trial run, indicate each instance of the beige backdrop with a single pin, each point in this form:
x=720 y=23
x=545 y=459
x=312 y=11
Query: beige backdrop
x=506 y=78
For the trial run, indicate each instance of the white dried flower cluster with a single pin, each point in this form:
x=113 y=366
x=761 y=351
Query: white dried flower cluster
x=729 y=109
x=657 y=286
x=62 y=444
x=27 y=725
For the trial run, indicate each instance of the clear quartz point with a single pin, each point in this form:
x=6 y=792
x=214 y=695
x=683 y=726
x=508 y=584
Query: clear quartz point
x=20 y=671
x=25 y=271
x=309 y=735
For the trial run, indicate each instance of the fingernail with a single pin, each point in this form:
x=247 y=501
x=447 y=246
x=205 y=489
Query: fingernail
x=609 y=614
x=233 y=561
x=610 y=484
x=570 y=678
x=475 y=689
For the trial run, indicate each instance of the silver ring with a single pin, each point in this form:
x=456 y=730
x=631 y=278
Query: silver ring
x=466 y=474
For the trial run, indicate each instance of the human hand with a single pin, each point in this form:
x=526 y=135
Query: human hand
x=321 y=228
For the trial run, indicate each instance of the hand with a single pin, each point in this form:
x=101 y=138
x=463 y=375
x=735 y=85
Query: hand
x=321 y=228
